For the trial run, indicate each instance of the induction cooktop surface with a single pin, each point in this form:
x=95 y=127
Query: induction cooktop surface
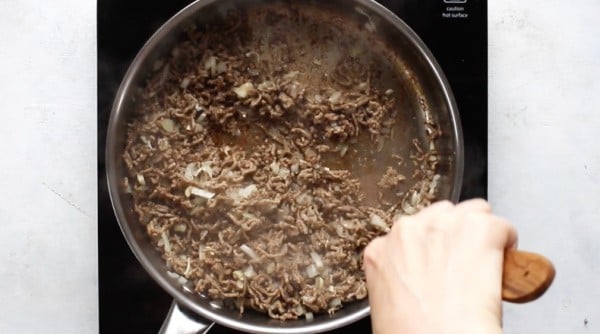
x=454 y=30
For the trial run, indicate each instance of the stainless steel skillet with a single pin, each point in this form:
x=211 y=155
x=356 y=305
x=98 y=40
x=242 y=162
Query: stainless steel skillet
x=411 y=68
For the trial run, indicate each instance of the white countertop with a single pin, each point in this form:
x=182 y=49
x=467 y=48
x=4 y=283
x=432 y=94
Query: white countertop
x=544 y=154
x=544 y=160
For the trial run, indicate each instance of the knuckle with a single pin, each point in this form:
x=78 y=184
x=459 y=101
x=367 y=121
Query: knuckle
x=373 y=252
x=404 y=227
x=434 y=229
x=489 y=229
x=475 y=219
x=480 y=204
x=407 y=221
x=446 y=204
x=398 y=225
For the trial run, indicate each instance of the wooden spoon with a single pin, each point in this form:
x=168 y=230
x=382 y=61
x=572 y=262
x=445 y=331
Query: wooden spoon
x=526 y=276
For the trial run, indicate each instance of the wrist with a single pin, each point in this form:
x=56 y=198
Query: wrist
x=466 y=328
x=469 y=323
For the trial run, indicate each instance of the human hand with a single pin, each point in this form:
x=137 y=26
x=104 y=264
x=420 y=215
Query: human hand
x=439 y=271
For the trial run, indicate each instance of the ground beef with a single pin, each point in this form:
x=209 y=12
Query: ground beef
x=391 y=178
x=244 y=174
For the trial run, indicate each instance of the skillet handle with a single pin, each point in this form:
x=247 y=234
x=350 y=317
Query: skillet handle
x=526 y=276
x=181 y=321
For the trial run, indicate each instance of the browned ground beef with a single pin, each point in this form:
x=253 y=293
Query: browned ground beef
x=234 y=168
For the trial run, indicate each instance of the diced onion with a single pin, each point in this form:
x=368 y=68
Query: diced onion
x=348 y=224
x=249 y=272
x=185 y=83
x=157 y=65
x=255 y=54
x=317 y=260
x=311 y=271
x=188 y=267
x=335 y=303
x=415 y=198
x=211 y=65
x=294 y=168
x=201 y=254
x=370 y=26
x=304 y=199
x=294 y=90
x=167 y=124
x=172 y=274
x=378 y=222
x=127 y=185
x=389 y=92
x=238 y=275
x=274 y=167
x=191 y=190
x=380 y=141
x=308 y=299
x=339 y=229
x=309 y=316
x=140 y=179
x=270 y=268
x=180 y=228
x=434 y=183
x=408 y=208
x=191 y=171
x=146 y=141
x=205 y=168
x=166 y=242
x=291 y=75
x=221 y=67
x=283 y=172
x=247 y=191
x=164 y=75
x=245 y=90
x=163 y=144
x=250 y=252
x=180 y=279
x=355 y=52
x=335 y=97
x=319 y=282
x=266 y=86
x=343 y=150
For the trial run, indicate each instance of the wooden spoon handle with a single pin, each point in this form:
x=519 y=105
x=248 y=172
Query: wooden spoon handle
x=526 y=276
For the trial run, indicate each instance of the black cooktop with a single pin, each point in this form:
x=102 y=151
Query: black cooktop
x=454 y=30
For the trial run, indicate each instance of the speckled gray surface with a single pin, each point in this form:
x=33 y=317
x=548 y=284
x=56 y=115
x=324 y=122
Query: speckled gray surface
x=544 y=160
x=48 y=266
x=544 y=156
